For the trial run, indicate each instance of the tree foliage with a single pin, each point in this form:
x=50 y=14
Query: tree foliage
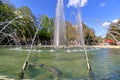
x=18 y=24
x=74 y=36
x=114 y=31
x=6 y=15
x=21 y=26
x=46 y=29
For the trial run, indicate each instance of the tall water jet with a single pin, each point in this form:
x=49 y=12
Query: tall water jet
x=60 y=29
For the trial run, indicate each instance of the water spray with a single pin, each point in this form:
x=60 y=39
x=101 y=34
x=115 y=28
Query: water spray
x=27 y=58
x=28 y=55
x=80 y=27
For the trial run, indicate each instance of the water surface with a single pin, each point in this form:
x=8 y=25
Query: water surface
x=71 y=62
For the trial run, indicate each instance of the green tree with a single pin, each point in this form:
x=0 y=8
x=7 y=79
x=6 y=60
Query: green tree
x=25 y=25
x=46 y=29
x=6 y=12
x=18 y=23
x=6 y=16
x=45 y=23
x=1 y=3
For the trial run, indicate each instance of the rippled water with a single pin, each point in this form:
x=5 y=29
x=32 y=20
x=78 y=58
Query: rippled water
x=106 y=63
x=71 y=62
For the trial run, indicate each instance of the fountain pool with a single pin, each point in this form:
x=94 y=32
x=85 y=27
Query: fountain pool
x=71 y=62
x=61 y=63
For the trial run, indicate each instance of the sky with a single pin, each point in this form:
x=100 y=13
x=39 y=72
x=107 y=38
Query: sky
x=95 y=13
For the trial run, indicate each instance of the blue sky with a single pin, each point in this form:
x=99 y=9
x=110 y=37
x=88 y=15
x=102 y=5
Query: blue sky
x=94 y=12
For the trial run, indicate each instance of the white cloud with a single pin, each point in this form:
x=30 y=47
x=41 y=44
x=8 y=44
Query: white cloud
x=103 y=4
x=77 y=3
x=115 y=21
x=83 y=2
x=106 y=24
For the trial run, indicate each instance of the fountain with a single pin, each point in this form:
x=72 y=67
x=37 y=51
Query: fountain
x=59 y=63
x=80 y=29
x=60 y=29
